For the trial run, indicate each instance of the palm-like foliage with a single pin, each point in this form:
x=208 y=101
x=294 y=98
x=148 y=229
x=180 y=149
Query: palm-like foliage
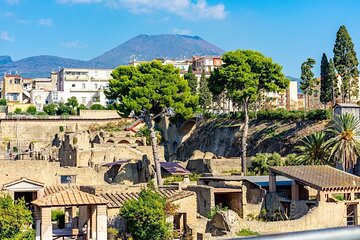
x=313 y=150
x=345 y=144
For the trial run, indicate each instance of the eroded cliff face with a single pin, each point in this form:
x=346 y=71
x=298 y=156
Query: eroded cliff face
x=223 y=137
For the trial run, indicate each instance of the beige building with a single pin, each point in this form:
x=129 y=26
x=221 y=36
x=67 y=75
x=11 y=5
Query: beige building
x=16 y=88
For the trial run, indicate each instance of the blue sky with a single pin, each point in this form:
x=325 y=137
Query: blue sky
x=289 y=31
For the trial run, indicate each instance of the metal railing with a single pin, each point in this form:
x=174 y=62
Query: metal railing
x=343 y=233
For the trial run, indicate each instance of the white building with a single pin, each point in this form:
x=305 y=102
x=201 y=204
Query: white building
x=87 y=85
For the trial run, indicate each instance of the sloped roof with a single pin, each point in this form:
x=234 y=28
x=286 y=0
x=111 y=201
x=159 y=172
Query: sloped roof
x=320 y=177
x=54 y=189
x=116 y=200
x=19 y=180
x=174 y=168
x=69 y=197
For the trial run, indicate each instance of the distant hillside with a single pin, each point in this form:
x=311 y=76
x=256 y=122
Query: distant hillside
x=148 y=47
x=142 y=47
x=5 y=59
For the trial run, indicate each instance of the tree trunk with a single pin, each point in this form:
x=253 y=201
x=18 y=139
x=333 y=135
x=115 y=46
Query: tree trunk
x=305 y=101
x=244 y=138
x=154 y=149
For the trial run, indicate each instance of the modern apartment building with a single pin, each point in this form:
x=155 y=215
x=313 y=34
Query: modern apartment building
x=16 y=88
x=206 y=63
x=87 y=85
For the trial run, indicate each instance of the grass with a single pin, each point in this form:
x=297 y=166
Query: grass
x=246 y=232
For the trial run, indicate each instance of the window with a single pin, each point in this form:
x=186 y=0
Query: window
x=55 y=96
x=72 y=85
x=83 y=86
x=64 y=179
x=10 y=81
x=96 y=86
x=83 y=100
x=17 y=81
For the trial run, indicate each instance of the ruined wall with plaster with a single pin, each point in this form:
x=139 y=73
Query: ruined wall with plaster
x=48 y=172
x=205 y=198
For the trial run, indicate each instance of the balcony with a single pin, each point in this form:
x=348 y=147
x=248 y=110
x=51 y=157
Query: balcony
x=77 y=89
x=76 y=78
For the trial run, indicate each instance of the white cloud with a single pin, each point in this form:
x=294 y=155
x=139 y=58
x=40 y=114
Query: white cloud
x=181 y=31
x=74 y=44
x=6 y=37
x=47 y=22
x=12 y=2
x=187 y=9
x=24 y=21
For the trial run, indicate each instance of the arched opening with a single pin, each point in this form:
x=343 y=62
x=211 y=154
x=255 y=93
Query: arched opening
x=124 y=142
x=139 y=143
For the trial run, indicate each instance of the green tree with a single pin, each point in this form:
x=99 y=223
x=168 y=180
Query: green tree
x=308 y=82
x=17 y=111
x=146 y=216
x=335 y=84
x=151 y=87
x=346 y=64
x=345 y=145
x=82 y=107
x=3 y=102
x=313 y=150
x=191 y=79
x=262 y=161
x=50 y=109
x=72 y=102
x=326 y=82
x=243 y=76
x=63 y=109
x=31 y=110
x=205 y=96
x=15 y=219
x=97 y=107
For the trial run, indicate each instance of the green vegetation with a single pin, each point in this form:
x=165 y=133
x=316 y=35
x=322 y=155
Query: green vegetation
x=346 y=64
x=205 y=97
x=112 y=233
x=61 y=128
x=339 y=197
x=215 y=210
x=17 y=111
x=15 y=219
x=261 y=161
x=191 y=79
x=3 y=102
x=151 y=86
x=179 y=178
x=31 y=110
x=97 y=107
x=146 y=216
x=326 y=81
x=50 y=109
x=308 y=83
x=246 y=232
x=58 y=215
x=243 y=77
x=313 y=150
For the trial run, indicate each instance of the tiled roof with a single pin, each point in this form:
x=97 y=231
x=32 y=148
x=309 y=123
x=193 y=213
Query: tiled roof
x=174 y=168
x=69 y=197
x=116 y=200
x=54 y=189
x=320 y=177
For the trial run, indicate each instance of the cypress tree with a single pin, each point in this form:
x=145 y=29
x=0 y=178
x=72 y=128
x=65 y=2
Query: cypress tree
x=308 y=82
x=205 y=96
x=325 y=81
x=346 y=63
x=334 y=81
x=191 y=79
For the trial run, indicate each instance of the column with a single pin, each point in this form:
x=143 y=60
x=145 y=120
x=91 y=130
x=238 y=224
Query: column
x=93 y=223
x=46 y=225
x=294 y=191
x=101 y=222
x=37 y=213
x=321 y=197
x=272 y=181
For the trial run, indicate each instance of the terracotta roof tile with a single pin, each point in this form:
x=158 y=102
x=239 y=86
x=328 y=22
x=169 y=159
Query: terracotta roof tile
x=69 y=197
x=320 y=177
x=116 y=200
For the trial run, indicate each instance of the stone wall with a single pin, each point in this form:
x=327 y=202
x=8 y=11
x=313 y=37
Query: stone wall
x=205 y=198
x=215 y=166
x=99 y=114
x=48 y=172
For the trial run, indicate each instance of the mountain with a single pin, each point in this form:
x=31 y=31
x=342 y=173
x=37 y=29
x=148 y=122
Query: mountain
x=142 y=47
x=5 y=59
x=148 y=47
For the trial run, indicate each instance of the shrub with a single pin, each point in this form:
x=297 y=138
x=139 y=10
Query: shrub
x=3 y=102
x=291 y=160
x=82 y=107
x=41 y=113
x=261 y=161
x=112 y=233
x=58 y=216
x=97 y=107
x=50 y=109
x=31 y=110
x=15 y=219
x=319 y=114
x=146 y=216
x=215 y=210
x=246 y=232
x=17 y=110
x=61 y=128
